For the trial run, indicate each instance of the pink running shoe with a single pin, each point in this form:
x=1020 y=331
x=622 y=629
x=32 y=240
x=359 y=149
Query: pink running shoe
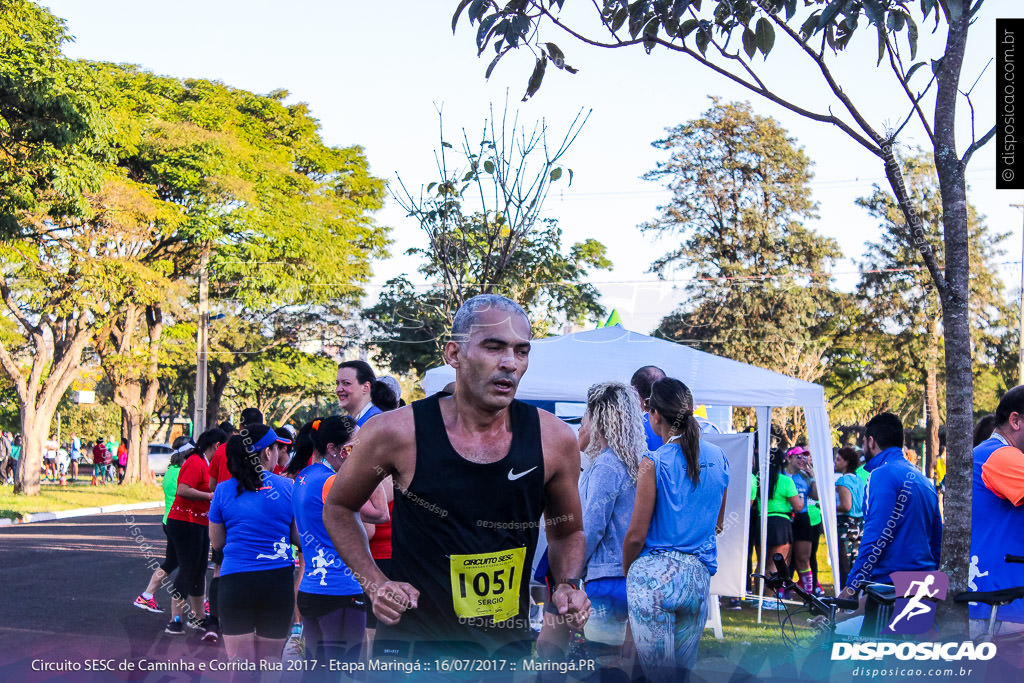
x=148 y=605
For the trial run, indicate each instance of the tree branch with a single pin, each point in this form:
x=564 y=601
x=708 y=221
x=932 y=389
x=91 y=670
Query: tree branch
x=897 y=70
x=976 y=145
x=870 y=145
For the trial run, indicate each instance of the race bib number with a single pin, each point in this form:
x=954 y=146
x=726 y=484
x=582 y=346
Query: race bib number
x=487 y=584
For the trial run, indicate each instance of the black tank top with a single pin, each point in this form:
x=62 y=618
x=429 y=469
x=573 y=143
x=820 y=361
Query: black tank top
x=464 y=534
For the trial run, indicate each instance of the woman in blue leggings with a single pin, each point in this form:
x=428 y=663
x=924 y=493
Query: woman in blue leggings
x=670 y=551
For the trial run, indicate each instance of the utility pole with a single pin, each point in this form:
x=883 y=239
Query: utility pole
x=1020 y=357
x=202 y=343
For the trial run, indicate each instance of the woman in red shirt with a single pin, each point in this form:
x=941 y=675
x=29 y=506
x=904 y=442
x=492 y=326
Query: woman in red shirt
x=187 y=530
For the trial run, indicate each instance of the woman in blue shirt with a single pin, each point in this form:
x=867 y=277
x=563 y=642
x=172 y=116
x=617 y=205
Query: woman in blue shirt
x=251 y=522
x=670 y=551
x=612 y=435
x=329 y=598
x=850 y=508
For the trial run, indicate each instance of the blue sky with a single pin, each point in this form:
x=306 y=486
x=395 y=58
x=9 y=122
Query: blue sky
x=375 y=74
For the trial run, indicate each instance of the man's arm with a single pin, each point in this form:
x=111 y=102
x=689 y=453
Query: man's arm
x=378 y=446
x=936 y=539
x=564 y=516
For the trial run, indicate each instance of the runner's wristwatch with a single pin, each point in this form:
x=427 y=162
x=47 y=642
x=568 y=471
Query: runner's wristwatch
x=575 y=583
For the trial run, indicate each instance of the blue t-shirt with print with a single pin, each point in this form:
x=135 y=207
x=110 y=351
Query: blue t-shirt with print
x=685 y=514
x=257 y=524
x=323 y=572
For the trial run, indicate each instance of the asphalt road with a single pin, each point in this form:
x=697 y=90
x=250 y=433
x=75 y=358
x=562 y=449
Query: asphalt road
x=67 y=591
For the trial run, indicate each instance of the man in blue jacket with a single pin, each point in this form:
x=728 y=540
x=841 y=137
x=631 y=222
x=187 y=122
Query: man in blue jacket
x=902 y=526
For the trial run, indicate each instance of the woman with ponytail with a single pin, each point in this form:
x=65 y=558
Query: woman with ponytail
x=330 y=599
x=251 y=524
x=670 y=551
x=187 y=522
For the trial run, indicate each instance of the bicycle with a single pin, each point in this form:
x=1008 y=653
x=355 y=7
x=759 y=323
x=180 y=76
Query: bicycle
x=995 y=599
x=821 y=610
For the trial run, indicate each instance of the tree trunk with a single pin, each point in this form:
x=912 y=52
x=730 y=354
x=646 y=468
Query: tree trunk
x=956 y=536
x=214 y=397
x=138 y=450
x=34 y=428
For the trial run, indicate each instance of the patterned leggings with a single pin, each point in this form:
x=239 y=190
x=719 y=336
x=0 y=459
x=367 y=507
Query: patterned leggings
x=668 y=608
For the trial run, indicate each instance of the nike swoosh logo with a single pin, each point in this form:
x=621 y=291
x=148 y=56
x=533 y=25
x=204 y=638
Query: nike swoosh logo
x=512 y=476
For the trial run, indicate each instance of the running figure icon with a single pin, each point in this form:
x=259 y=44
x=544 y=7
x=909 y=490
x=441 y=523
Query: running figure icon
x=914 y=606
x=280 y=551
x=320 y=563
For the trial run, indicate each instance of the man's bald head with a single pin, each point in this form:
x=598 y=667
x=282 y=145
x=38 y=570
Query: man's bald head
x=644 y=378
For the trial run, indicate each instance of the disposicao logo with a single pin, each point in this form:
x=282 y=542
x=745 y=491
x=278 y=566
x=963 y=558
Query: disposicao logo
x=915 y=611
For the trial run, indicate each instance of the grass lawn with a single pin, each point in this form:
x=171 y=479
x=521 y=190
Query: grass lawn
x=52 y=498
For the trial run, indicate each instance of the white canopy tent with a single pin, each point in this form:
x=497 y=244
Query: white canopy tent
x=563 y=368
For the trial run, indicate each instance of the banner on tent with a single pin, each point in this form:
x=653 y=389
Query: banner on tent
x=732 y=542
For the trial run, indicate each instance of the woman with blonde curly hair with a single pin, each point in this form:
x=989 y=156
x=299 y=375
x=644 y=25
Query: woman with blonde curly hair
x=612 y=436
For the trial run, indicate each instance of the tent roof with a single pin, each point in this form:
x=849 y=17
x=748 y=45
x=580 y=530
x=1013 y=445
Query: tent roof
x=563 y=368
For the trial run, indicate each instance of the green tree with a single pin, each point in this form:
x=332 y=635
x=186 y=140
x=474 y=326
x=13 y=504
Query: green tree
x=900 y=298
x=284 y=380
x=757 y=282
x=409 y=326
x=729 y=37
x=188 y=166
x=206 y=166
x=48 y=118
x=481 y=220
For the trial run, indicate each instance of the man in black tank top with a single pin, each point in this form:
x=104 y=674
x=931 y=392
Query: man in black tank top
x=473 y=474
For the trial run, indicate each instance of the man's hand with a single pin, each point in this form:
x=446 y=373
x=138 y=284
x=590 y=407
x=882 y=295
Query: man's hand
x=392 y=599
x=573 y=604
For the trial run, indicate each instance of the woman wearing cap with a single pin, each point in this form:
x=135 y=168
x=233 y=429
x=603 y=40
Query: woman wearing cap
x=250 y=523
x=670 y=552
x=187 y=523
x=329 y=598
x=783 y=502
x=807 y=521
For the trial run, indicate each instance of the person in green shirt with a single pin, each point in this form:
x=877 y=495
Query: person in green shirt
x=183 y=447
x=783 y=501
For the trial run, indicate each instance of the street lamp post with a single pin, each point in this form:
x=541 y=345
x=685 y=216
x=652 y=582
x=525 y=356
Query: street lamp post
x=202 y=343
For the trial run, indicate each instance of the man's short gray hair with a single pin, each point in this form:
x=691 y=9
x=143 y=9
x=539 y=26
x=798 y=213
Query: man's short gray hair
x=466 y=317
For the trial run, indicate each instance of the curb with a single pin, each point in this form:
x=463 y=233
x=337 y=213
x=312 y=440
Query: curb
x=32 y=517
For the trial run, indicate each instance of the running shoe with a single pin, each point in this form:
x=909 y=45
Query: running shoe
x=174 y=628
x=196 y=624
x=148 y=605
x=210 y=636
x=206 y=607
x=734 y=604
x=773 y=605
x=294 y=647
